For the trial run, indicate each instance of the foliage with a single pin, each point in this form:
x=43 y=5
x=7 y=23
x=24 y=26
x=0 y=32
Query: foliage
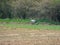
x=27 y=9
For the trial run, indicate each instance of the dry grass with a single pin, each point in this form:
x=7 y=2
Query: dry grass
x=21 y=36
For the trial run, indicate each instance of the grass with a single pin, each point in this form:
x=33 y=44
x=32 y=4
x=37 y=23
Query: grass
x=20 y=23
x=14 y=20
x=42 y=27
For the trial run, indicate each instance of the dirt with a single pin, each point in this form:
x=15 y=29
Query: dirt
x=22 y=36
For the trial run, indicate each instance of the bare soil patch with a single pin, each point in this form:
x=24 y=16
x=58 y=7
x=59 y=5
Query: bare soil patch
x=21 y=36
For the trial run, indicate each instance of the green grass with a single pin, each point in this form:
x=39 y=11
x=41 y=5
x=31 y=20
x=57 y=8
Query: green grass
x=35 y=27
x=20 y=23
x=14 y=20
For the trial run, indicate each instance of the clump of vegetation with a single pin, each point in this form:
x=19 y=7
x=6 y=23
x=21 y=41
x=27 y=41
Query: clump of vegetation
x=27 y=9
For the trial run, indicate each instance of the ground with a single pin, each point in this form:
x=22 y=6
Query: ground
x=23 y=36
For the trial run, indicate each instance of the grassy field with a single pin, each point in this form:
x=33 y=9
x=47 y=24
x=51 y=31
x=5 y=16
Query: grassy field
x=42 y=27
x=22 y=32
x=19 y=23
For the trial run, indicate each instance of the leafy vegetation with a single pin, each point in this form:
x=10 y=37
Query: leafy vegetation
x=28 y=9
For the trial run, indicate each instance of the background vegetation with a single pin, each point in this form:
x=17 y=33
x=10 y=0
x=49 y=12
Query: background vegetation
x=28 y=9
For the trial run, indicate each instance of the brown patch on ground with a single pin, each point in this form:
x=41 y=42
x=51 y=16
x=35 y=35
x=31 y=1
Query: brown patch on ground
x=21 y=36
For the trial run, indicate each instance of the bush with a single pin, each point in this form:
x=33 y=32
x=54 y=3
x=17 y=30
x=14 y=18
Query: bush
x=38 y=9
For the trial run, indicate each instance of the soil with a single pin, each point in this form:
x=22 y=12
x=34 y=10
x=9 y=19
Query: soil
x=22 y=36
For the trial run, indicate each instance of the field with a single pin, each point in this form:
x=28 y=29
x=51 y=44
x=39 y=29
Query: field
x=14 y=33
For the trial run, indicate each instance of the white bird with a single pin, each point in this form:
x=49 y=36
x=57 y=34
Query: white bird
x=33 y=21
